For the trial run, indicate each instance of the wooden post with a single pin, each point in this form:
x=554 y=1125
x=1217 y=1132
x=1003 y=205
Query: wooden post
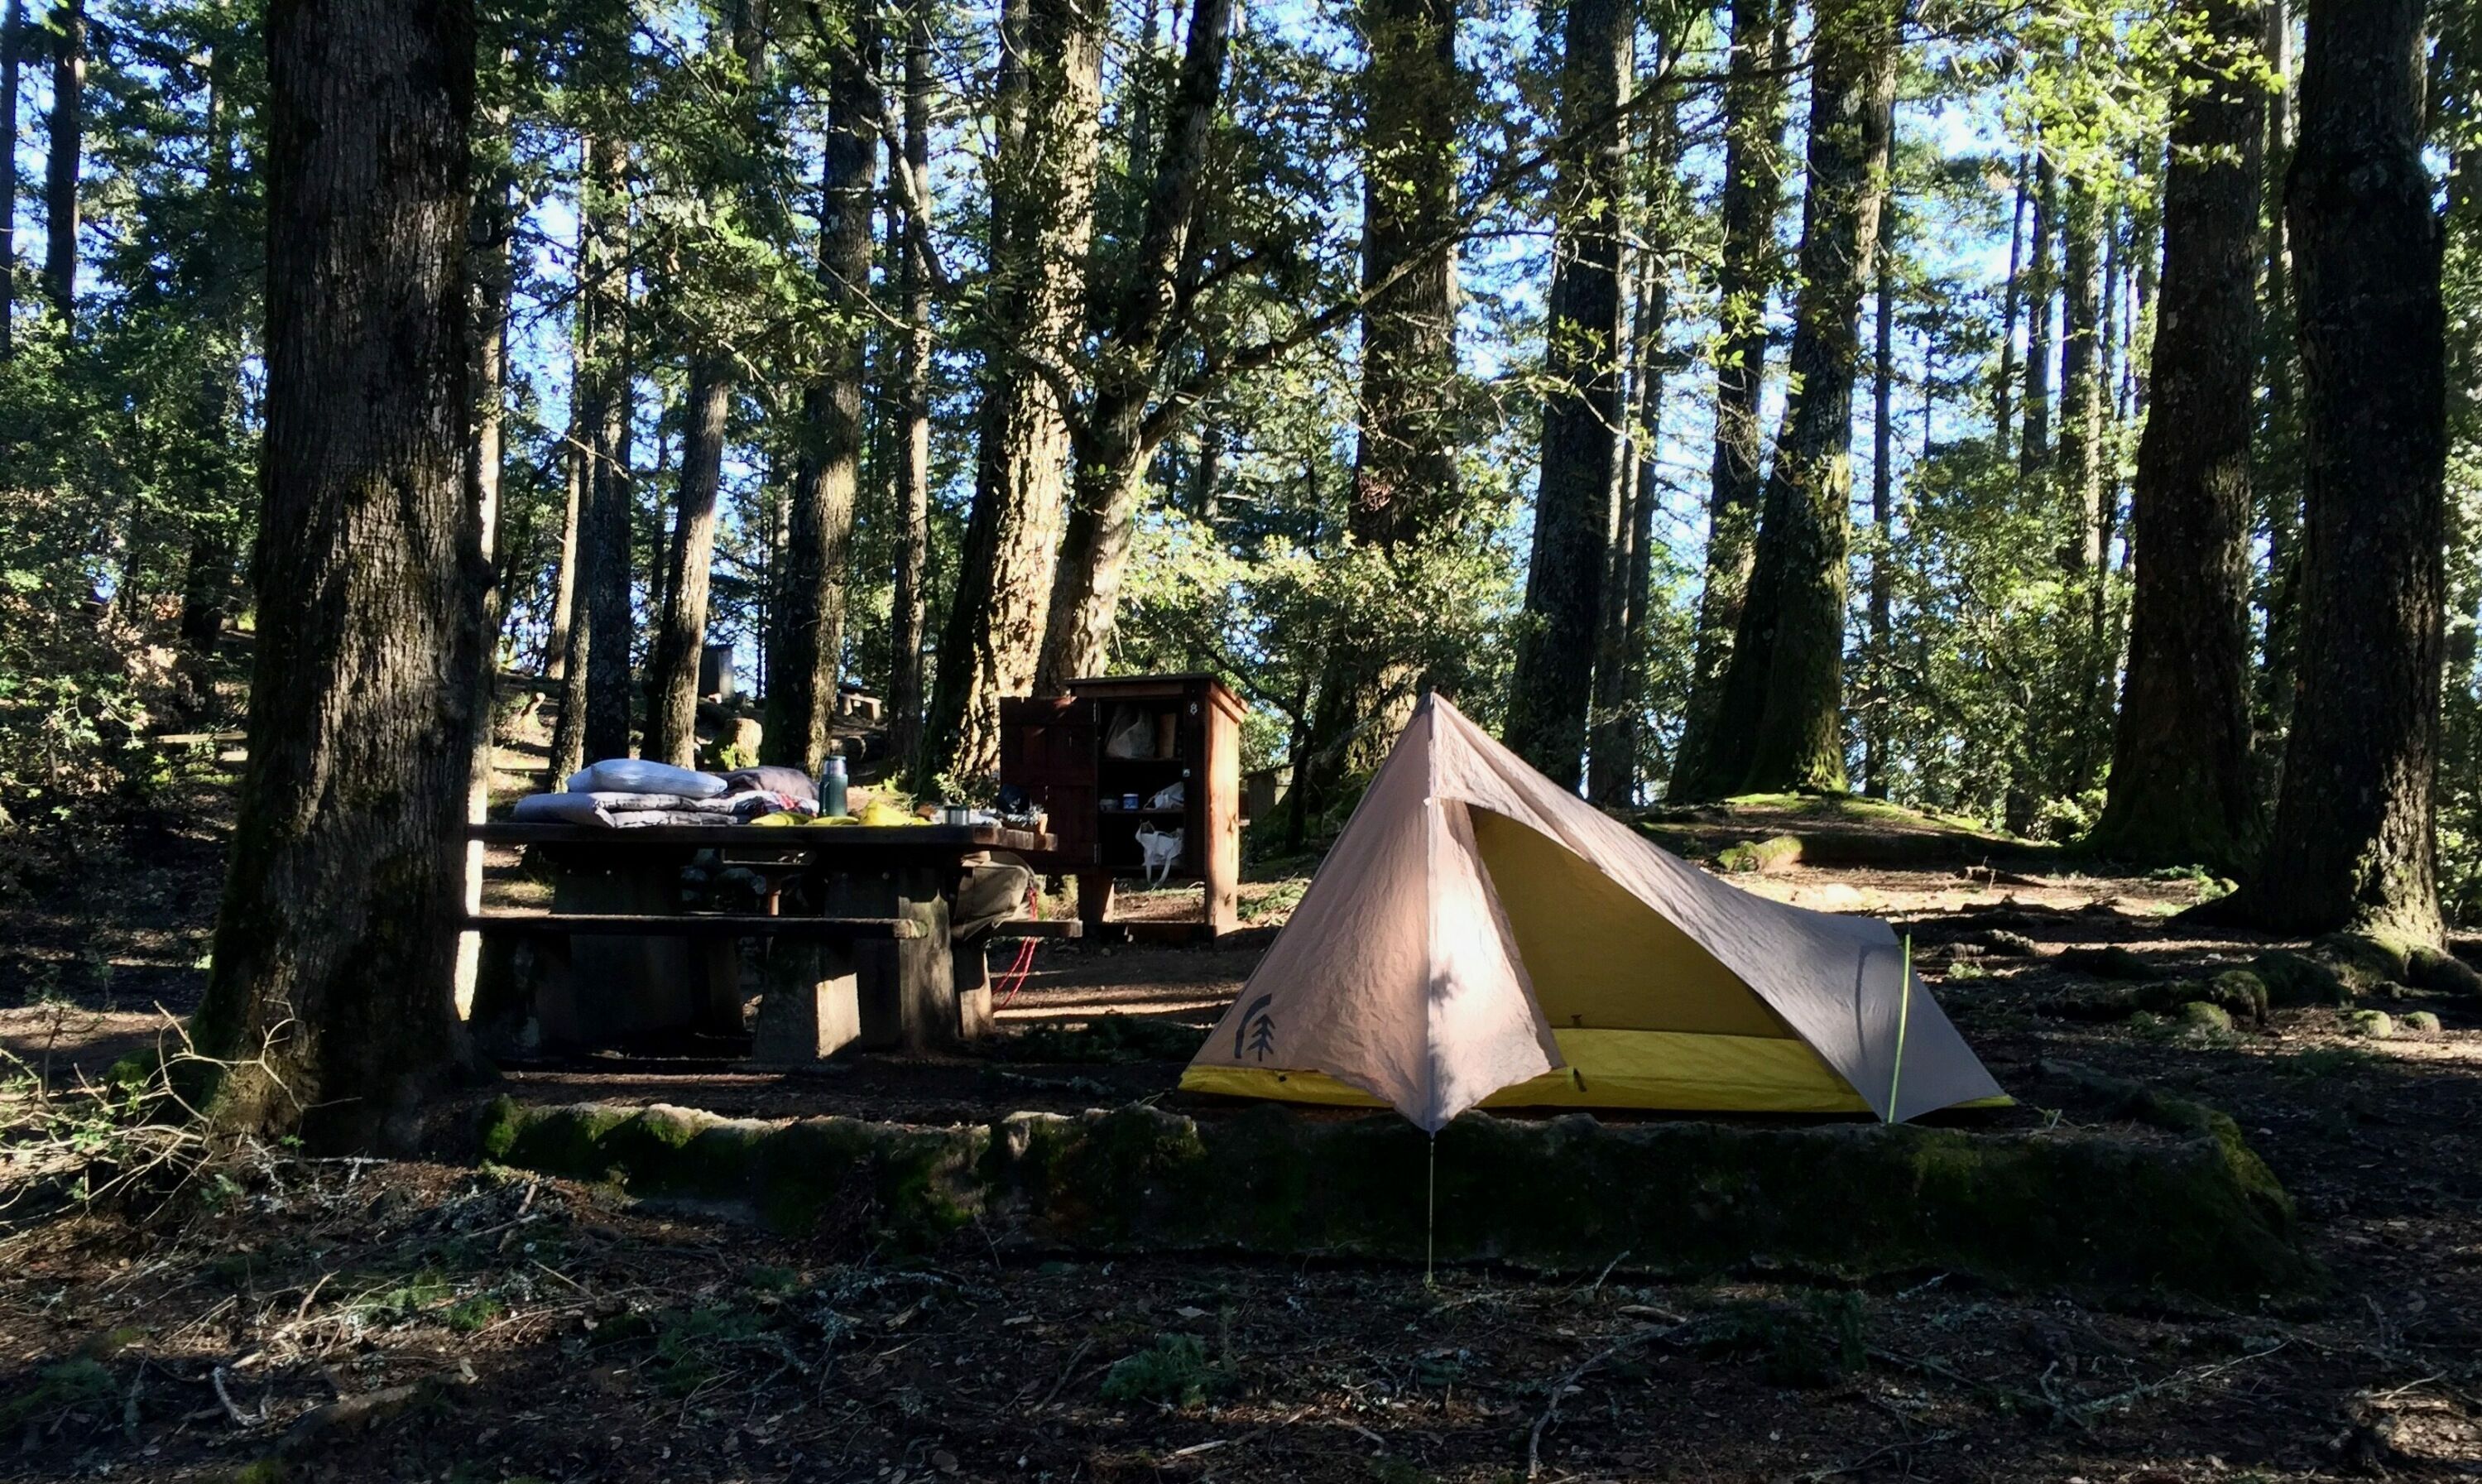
x=639 y=984
x=719 y=985
x=811 y=1007
x=906 y=994
x=970 y=964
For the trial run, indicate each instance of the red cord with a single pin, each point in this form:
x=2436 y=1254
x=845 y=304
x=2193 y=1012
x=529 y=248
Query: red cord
x=1015 y=978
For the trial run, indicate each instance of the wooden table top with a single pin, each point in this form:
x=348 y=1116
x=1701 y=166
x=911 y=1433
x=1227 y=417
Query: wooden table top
x=952 y=840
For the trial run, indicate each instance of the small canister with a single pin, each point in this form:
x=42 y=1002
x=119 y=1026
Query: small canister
x=1130 y=802
x=834 y=787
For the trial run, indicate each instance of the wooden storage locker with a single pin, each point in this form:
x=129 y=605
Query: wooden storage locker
x=1059 y=749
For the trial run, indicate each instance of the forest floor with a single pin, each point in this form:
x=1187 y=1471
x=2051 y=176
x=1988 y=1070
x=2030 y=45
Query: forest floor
x=291 y=1318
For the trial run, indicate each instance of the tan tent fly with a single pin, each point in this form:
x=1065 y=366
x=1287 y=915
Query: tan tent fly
x=1480 y=935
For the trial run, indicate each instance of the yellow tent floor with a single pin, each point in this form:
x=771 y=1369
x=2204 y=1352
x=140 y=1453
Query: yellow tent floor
x=1677 y=1071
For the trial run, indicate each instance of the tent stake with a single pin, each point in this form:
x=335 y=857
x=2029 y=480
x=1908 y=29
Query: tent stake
x=1904 y=1013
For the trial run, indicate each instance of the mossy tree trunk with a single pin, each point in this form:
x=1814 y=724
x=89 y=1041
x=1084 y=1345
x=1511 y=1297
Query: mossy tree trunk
x=1744 y=277
x=335 y=945
x=2179 y=788
x=1784 y=693
x=1043 y=221
x=808 y=651
x=1553 y=685
x=2353 y=840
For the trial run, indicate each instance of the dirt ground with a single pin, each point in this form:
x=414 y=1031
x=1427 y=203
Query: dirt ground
x=289 y=1318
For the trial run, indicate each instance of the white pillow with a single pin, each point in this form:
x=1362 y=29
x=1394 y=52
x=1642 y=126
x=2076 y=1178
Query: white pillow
x=639 y=775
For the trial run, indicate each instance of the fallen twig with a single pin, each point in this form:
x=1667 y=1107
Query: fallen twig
x=240 y=1419
x=1066 y=1371
x=1560 y=1388
x=1887 y=1451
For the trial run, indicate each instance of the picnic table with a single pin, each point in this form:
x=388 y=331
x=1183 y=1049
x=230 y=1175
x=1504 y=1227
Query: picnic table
x=617 y=958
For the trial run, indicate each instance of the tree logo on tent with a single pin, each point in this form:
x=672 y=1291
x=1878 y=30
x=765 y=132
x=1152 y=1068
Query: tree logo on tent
x=1258 y=1028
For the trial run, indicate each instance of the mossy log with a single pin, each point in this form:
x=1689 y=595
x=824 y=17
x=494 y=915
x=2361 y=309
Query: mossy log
x=2185 y=1209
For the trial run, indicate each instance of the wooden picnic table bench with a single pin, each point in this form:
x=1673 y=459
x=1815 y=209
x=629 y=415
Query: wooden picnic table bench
x=618 y=956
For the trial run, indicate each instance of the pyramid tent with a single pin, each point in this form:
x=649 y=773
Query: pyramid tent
x=1481 y=935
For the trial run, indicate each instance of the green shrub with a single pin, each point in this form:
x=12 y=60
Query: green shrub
x=1174 y=1371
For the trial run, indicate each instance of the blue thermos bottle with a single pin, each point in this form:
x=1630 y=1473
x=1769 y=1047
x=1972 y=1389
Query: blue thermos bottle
x=831 y=789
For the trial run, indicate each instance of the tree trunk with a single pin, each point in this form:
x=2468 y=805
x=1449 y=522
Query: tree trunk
x=1113 y=443
x=1404 y=485
x=2277 y=485
x=1553 y=685
x=13 y=30
x=1043 y=220
x=62 y=163
x=687 y=563
x=673 y=672
x=603 y=570
x=1746 y=276
x=1403 y=462
x=495 y=232
x=2078 y=470
x=908 y=604
x=1208 y=474
x=335 y=945
x=2179 y=788
x=1620 y=668
x=1611 y=739
x=2353 y=838
x=555 y=655
x=573 y=640
x=207 y=576
x=810 y=590
x=2034 y=449
x=1785 y=689
x=2003 y=416
x=1883 y=515
x=2077 y=744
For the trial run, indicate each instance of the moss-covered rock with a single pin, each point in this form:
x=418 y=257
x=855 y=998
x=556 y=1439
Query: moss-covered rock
x=2236 y=994
x=2192 y=1214
x=2201 y=1015
x=2418 y=1023
x=2240 y=991
x=2442 y=974
x=2365 y=962
x=2295 y=980
x=1773 y=854
x=2372 y=1024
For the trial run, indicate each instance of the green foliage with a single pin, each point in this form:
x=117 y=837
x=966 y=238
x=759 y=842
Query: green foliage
x=1174 y=1371
x=1808 y=1344
x=61 y=1387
